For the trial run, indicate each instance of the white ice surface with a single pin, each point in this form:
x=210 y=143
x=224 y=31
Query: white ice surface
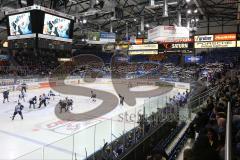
x=41 y=127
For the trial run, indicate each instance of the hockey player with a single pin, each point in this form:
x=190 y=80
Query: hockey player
x=48 y=98
x=5 y=96
x=51 y=94
x=24 y=87
x=93 y=96
x=32 y=102
x=121 y=99
x=21 y=96
x=42 y=100
x=63 y=105
x=66 y=104
x=18 y=110
x=69 y=103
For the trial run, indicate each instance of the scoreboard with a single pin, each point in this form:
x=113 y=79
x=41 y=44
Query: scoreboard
x=53 y=44
x=39 y=27
x=22 y=43
x=39 y=43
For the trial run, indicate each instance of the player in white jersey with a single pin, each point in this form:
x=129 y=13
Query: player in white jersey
x=21 y=96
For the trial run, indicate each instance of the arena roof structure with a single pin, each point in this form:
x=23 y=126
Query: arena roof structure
x=119 y=15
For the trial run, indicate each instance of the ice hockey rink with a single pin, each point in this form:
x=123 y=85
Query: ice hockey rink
x=42 y=133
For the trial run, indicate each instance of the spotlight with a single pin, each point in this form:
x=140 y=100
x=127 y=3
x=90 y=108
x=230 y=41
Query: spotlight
x=84 y=21
x=197 y=19
x=195 y=11
x=134 y=19
x=188 y=1
x=139 y=33
x=147 y=25
x=189 y=11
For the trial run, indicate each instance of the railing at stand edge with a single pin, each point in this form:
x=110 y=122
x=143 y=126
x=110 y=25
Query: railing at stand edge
x=228 y=139
x=47 y=151
x=192 y=104
x=198 y=100
x=71 y=146
x=204 y=93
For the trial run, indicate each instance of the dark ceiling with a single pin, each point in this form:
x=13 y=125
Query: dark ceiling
x=217 y=12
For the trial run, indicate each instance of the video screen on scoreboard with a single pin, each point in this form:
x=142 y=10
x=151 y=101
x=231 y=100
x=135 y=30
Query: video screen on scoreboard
x=20 y=24
x=56 y=26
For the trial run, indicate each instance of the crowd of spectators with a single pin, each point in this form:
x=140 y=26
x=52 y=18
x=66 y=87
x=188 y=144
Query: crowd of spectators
x=173 y=72
x=28 y=63
x=188 y=73
x=36 y=64
x=210 y=124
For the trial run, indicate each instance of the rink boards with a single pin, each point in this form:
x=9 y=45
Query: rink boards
x=41 y=127
x=40 y=84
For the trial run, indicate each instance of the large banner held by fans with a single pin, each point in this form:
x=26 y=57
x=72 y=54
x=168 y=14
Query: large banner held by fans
x=167 y=33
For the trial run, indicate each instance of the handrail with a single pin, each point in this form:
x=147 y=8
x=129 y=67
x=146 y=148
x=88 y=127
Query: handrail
x=203 y=93
x=201 y=98
x=228 y=140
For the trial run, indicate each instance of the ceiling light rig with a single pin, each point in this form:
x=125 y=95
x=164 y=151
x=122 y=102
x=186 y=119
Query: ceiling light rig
x=189 y=11
x=84 y=21
x=192 y=14
x=152 y=2
x=165 y=8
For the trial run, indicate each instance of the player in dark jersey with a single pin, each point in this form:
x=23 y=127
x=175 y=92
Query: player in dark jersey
x=42 y=100
x=24 y=87
x=93 y=96
x=32 y=102
x=18 y=110
x=121 y=99
x=5 y=96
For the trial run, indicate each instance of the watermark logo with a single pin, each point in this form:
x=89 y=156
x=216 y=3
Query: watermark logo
x=93 y=69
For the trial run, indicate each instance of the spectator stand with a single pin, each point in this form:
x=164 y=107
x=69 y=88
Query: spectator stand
x=216 y=123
